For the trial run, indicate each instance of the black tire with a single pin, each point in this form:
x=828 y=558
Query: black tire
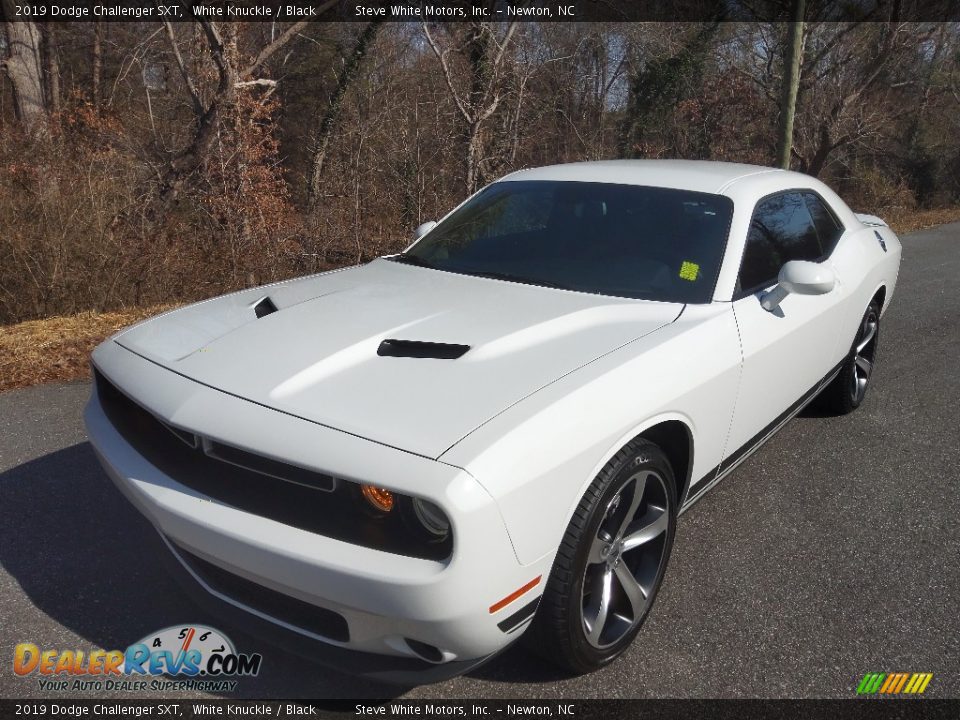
x=559 y=631
x=847 y=391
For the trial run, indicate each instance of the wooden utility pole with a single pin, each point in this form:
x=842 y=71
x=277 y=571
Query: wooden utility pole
x=792 y=60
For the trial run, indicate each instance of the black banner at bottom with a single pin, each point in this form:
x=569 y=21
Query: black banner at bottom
x=853 y=709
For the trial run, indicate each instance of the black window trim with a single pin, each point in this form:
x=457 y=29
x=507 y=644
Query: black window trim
x=742 y=293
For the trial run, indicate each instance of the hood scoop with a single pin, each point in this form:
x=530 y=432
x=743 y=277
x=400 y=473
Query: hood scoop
x=421 y=349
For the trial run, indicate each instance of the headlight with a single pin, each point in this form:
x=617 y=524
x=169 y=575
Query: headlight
x=402 y=518
x=431 y=518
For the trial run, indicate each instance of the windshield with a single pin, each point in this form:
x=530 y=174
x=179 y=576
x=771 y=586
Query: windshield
x=624 y=240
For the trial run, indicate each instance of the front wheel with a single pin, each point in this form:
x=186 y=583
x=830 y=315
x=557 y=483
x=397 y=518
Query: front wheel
x=611 y=562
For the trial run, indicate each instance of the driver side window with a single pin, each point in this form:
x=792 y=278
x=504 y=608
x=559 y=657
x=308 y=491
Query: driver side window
x=781 y=230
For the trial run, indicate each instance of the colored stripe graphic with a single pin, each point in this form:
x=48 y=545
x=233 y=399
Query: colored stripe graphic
x=912 y=684
x=888 y=683
x=866 y=685
x=894 y=683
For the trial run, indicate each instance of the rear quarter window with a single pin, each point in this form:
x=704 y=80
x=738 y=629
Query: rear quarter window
x=828 y=227
x=781 y=229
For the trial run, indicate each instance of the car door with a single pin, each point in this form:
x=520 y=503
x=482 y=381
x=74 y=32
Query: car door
x=787 y=352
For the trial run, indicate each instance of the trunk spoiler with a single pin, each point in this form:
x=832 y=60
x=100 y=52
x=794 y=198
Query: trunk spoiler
x=870 y=220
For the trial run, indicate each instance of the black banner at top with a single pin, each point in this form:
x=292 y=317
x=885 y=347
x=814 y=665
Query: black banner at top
x=481 y=10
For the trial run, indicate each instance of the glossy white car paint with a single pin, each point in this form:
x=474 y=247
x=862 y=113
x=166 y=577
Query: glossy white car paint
x=504 y=439
x=522 y=335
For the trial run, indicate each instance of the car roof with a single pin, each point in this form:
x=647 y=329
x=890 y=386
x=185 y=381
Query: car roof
x=695 y=175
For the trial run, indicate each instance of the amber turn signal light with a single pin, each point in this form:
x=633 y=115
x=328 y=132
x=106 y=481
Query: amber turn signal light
x=380 y=498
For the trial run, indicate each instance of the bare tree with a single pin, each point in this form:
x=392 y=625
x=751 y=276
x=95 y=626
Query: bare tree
x=24 y=66
x=848 y=95
x=484 y=51
x=207 y=115
x=230 y=78
x=399 y=133
x=348 y=72
x=51 y=65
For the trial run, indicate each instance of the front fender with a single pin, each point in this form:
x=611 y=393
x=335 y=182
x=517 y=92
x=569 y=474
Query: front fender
x=538 y=457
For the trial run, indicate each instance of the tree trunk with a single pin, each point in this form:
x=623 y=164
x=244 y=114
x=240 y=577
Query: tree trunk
x=349 y=71
x=473 y=176
x=224 y=97
x=97 y=79
x=792 y=59
x=51 y=63
x=24 y=67
x=478 y=55
x=483 y=98
x=222 y=44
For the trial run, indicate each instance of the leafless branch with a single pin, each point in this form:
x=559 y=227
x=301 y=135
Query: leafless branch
x=280 y=41
x=447 y=76
x=261 y=82
x=184 y=73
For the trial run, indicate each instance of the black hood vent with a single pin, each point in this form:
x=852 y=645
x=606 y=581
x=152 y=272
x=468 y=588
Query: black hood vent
x=264 y=307
x=419 y=349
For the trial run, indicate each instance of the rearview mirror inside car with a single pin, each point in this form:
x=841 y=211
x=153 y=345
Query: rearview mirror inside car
x=424 y=229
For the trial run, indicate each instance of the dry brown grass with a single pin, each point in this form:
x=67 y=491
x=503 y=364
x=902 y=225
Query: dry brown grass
x=58 y=348
x=907 y=221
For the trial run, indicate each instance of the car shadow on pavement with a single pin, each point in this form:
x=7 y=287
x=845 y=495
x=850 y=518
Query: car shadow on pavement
x=84 y=558
x=517 y=665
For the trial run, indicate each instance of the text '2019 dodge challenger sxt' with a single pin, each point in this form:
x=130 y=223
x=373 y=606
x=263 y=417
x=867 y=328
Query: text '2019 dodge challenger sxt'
x=413 y=461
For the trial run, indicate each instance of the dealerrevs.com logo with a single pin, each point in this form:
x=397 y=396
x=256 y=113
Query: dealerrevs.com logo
x=183 y=657
x=894 y=683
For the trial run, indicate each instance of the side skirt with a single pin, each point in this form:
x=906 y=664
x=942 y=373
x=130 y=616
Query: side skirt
x=729 y=464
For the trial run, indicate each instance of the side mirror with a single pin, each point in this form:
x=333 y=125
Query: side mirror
x=801 y=277
x=424 y=229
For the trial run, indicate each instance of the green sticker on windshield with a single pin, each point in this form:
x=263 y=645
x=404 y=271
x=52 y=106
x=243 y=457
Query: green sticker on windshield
x=689 y=271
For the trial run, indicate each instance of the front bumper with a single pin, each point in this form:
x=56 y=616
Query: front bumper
x=385 y=599
x=404 y=671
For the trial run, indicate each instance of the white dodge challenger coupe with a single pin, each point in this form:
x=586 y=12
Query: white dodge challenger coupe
x=407 y=464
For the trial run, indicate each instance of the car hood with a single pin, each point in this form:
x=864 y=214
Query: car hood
x=316 y=356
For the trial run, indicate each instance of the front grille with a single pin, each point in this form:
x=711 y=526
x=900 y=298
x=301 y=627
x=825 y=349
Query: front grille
x=318 y=620
x=306 y=500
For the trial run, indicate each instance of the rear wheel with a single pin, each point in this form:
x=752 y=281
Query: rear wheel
x=848 y=389
x=611 y=562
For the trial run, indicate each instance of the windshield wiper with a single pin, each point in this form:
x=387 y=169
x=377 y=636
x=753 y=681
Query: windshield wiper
x=495 y=275
x=409 y=259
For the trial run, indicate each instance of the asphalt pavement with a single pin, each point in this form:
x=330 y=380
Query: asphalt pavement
x=832 y=552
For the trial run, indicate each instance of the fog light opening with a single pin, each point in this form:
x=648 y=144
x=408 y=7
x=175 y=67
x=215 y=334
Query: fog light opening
x=427 y=652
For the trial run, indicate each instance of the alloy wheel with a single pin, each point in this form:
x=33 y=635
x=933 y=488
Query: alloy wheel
x=625 y=559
